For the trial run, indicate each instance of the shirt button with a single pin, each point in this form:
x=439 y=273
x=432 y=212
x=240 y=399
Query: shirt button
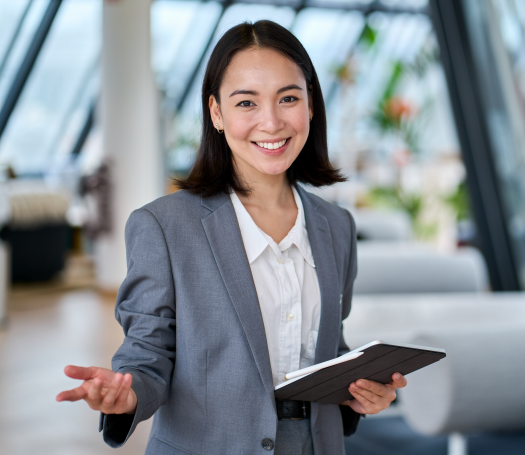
x=290 y=317
x=280 y=261
x=267 y=444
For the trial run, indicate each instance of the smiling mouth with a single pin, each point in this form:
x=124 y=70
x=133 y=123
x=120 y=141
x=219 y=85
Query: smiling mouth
x=271 y=146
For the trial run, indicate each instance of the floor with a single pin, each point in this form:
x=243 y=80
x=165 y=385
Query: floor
x=46 y=331
x=51 y=327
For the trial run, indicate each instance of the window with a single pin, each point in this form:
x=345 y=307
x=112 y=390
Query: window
x=56 y=97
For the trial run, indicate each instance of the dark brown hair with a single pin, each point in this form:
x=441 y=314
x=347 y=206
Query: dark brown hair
x=213 y=171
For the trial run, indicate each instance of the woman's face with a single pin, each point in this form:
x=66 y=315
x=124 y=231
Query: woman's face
x=264 y=112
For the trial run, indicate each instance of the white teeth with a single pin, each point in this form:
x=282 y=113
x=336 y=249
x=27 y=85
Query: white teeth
x=271 y=145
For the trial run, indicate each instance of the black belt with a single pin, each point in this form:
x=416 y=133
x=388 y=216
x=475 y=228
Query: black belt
x=292 y=409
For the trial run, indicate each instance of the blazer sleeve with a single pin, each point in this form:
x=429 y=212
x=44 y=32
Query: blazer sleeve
x=145 y=309
x=350 y=417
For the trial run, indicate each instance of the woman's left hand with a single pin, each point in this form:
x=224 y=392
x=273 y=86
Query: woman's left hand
x=372 y=397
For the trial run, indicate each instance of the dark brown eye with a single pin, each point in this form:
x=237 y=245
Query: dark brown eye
x=245 y=104
x=289 y=99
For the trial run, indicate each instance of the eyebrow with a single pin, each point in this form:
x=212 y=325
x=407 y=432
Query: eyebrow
x=253 y=92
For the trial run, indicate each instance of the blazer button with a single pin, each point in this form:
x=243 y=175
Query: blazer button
x=267 y=444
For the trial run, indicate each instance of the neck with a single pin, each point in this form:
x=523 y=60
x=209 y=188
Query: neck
x=267 y=191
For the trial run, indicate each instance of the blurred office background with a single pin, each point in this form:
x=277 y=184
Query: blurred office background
x=99 y=107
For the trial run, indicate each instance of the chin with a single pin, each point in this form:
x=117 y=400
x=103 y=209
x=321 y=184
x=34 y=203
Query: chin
x=275 y=169
x=276 y=165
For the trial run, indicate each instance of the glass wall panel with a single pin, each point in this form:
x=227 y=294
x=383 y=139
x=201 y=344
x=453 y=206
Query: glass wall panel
x=366 y=5
x=348 y=3
x=406 y=3
x=11 y=12
x=180 y=32
x=63 y=75
x=336 y=32
x=496 y=29
x=170 y=22
x=399 y=41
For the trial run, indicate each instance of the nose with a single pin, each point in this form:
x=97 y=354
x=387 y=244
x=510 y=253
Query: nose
x=271 y=122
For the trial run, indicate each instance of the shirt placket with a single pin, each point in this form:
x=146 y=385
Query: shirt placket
x=290 y=315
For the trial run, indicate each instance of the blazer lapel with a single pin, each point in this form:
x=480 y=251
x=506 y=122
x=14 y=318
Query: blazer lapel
x=224 y=236
x=324 y=258
x=323 y=253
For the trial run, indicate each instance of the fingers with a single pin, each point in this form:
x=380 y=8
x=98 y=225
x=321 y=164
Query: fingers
x=365 y=405
x=75 y=372
x=111 y=394
x=398 y=381
x=384 y=391
x=372 y=386
x=118 y=398
x=373 y=396
x=102 y=389
x=94 y=395
x=87 y=373
x=371 y=402
x=122 y=397
x=72 y=395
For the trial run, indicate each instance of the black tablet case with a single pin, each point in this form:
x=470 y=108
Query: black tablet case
x=378 y=363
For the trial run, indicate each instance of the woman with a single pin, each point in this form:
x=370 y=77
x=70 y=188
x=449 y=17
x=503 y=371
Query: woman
x=240 y=277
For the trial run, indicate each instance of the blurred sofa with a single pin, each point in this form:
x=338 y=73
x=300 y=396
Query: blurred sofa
x=406 y=292
x=410 y=267
x=379 y=225
x=36 y=230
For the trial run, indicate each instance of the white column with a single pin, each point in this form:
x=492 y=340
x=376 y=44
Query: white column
x=129 y=114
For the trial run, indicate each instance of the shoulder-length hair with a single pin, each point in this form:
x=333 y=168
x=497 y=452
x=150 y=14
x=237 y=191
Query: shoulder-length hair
x=213 y=171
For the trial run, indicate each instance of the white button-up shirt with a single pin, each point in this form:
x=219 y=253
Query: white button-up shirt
x=288 y=290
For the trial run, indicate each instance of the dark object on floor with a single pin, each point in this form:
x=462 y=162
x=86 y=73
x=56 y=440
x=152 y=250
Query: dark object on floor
x=392 y=436
x=37 y=254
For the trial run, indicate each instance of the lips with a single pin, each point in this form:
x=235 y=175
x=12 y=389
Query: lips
x=272 y=145
x=273 y=152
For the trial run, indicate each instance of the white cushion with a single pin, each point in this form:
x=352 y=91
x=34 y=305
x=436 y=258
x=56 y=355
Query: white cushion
x=479 y=386
x=386 y=267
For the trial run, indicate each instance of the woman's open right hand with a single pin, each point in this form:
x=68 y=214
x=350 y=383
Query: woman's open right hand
x=103 y=390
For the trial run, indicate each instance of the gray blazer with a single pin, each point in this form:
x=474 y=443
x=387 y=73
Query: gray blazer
x=194 y=336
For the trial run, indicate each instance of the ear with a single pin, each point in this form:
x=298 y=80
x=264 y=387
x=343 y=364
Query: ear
x=215 y=112
x=310 y=101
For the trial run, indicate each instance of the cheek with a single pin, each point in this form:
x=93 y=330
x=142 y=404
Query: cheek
x=302 y=129
x=238 y=128
x=300 y=123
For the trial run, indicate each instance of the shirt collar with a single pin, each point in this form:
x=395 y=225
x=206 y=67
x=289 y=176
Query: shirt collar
x=255 y=240
x=298 y=234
